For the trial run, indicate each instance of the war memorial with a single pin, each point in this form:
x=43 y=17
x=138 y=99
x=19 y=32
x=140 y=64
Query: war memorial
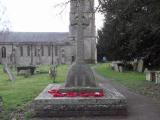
x=80 y=95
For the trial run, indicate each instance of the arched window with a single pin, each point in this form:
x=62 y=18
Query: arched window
x=62 y=50
x=42 y=51
x=56 y=51
x=35 y=51
x=21 y=50
x=28 y=51
x=49 y=50
x=3 y=52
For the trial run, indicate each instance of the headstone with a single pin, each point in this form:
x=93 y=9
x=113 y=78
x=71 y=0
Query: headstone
x=116 y=67
x=153 y=76
x=1 y=104
x=9 y=72
x=135 y=64
x=53 y=72
x=120 y=68
x=158 y=77
x=104 y=59
x=140 y=66
x=145 y=70
x=148 y=76
x=25 y=72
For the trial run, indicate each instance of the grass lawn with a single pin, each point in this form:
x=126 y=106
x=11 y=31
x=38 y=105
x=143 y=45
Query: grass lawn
x=130 y=79
x=25 y=89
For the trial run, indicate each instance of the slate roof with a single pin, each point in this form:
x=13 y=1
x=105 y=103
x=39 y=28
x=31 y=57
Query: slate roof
x=26 y=37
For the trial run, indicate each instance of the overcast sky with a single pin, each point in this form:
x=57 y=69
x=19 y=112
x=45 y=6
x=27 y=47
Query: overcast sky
x=40 y=16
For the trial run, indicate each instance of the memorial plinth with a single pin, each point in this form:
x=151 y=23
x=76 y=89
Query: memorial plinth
x=113 y=103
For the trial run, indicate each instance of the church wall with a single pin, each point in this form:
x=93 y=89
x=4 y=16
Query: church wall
x=25 y=59
x=63 y=56
x=66 y=54
x=46 y=59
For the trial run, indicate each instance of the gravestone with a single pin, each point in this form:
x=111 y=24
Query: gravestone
x=53 y=72
x=8 y=72
x=117 y=66
x=104 y=59
x=153 y=76
x=24 y=72
x=26 y=69
x=158 y=77
x=140 y=66
x=1 y=104
x=121 y=69
x=135 y=64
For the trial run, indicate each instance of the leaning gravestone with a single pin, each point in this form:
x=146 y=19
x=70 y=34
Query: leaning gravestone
x=8 y=72
x=53 y=72
x=1 y=104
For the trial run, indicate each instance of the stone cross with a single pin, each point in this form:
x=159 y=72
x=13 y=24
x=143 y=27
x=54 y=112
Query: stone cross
x=80 y=75
x=81 y=23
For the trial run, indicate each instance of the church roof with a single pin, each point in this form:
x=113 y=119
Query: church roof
x=26 y=37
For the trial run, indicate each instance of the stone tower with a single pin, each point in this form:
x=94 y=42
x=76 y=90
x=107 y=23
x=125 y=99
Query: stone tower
x=89 y=33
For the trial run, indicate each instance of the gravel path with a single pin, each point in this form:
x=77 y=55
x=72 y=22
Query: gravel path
x=139 y=107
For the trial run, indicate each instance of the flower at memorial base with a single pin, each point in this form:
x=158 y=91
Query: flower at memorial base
x=98 y=94
x=71 y=94
x=86 y=94
x=65 y=94
x=53 y=91
x=58 y=95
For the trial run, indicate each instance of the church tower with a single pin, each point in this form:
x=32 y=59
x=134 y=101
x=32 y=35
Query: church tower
x=89 y=32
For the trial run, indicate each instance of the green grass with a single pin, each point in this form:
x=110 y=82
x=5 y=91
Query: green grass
x=130 y=79
x=25 y=89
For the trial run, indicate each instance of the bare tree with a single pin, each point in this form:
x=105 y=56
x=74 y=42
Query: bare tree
x=4 y=20
x=63 y=5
